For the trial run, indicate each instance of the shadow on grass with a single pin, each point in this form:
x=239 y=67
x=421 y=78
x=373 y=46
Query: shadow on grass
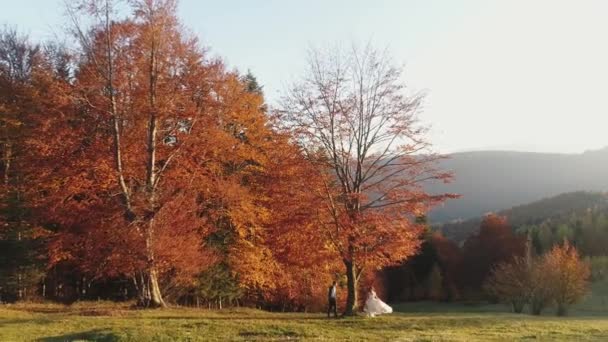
x=230 y=317
x=91 y=335
x=40 y=321
x=43 y=310
x=271 y=332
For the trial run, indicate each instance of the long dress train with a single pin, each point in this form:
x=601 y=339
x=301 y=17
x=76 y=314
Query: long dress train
x=374 y=306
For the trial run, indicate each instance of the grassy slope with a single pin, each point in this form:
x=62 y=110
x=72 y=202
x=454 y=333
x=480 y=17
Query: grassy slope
x=422 y=321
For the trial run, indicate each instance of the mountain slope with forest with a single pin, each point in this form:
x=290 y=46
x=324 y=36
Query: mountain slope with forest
x=557 y=209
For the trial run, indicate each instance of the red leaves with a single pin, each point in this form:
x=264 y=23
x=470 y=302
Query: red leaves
x=494 y=243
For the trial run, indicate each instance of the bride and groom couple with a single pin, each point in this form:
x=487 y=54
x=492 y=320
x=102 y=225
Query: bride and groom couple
x=373 y=305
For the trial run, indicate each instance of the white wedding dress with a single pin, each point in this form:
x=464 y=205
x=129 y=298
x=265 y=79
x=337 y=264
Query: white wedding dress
x=374 y=306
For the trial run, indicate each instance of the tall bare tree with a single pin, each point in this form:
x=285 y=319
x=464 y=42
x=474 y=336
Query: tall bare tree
x=353 y=107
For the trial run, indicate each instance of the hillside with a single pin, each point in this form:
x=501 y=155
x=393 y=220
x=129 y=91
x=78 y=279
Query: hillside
x=495 y=180
x=533 y=213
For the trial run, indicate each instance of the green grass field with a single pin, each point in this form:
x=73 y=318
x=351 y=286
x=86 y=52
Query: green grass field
x=413 y=322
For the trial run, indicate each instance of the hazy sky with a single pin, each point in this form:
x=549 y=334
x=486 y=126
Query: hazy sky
x=510 y=74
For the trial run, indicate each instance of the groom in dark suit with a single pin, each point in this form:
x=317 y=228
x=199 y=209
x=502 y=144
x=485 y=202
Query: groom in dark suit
x=331 y=299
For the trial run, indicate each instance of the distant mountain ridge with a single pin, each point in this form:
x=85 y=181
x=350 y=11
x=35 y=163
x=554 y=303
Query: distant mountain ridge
x=495 y=180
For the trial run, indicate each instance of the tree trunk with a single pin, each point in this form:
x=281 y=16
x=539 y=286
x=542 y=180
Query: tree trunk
x=109 y=75
x=142 y=290
x=518 y=306
x=148 y=290
x=537 y=308
x=19 y=288
x=156 y=298
x=351 y=280
x=562 y=309
x=152 y=296
x=7 y=161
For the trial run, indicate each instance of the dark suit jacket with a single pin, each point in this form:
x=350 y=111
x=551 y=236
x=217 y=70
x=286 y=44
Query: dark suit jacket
x=329 y=297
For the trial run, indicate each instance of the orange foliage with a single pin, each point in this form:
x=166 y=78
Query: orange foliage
x=565 y=274
x=140 y=155
x=306 y=265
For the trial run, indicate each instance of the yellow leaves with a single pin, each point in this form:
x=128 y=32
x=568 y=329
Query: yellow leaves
x=59 y=256
x=566 y=272
x=253 y=264
x=8 y=121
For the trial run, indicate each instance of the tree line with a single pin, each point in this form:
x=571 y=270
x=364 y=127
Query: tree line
x=499 y=263
x=135 y=166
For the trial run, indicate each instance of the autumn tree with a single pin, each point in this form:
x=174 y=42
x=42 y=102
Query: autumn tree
x=153 y=123
x=127 y=81
x=450 y=259
x=566 y=276
x=493 y=244
x=353 y=109
x=305 y=267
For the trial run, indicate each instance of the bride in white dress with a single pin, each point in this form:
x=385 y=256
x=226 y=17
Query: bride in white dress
x=374 y=306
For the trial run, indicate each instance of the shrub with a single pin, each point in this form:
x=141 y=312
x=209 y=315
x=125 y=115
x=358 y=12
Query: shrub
x=510 y=282
x=540 y=293
x=566 y=276
x=559 y=277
